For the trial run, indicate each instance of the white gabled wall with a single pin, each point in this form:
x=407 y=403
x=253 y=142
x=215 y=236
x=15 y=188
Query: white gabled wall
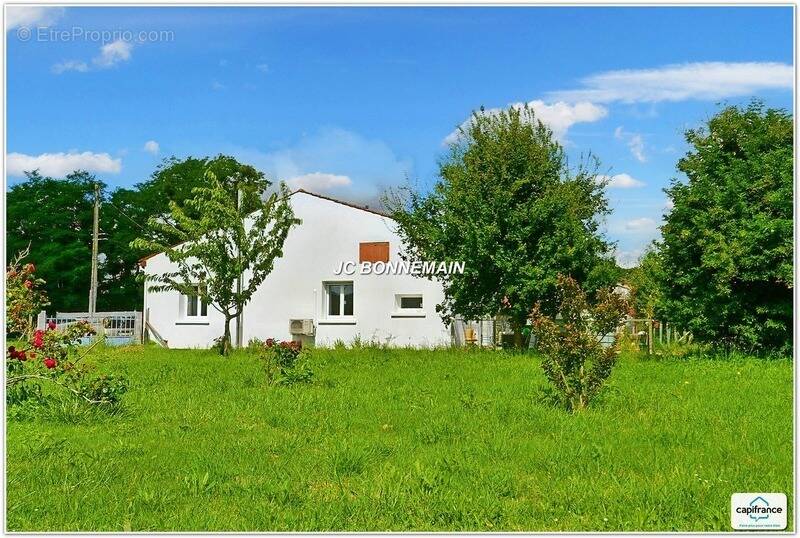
x=330 y=233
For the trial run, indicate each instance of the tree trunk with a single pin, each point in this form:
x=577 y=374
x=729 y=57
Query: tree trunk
x=225 y=345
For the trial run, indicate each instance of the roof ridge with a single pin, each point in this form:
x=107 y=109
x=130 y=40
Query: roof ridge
x=348 y=204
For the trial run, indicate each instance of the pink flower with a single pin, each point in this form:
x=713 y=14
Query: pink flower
x=50 y=363
x=30 y=268
x=28 y=284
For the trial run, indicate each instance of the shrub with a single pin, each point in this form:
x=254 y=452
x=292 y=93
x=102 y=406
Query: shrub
x=285 y=362
x=48 y=355
x=24 y=296
x=575 y=361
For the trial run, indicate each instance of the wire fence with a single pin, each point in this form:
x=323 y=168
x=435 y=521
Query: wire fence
x=497 y=332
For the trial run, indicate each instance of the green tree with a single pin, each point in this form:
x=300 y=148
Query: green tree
x=124 y=217
x=224 y=233
x=507 y=204
x=727 y=243
x=645 y=281
x=54 y=217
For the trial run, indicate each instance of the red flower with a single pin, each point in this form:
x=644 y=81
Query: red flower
x=51 y=325
x=38 y=339
x=270 y=342
x=30 y=268
x=14 y=354
x=50 y=363
x=28 y=284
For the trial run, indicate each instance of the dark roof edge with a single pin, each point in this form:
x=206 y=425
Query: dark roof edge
x=348 y=204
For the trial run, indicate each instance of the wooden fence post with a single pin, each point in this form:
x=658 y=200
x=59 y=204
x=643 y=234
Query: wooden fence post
x=649 y=336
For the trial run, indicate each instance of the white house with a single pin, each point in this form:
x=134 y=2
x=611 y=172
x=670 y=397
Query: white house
x=304 y=286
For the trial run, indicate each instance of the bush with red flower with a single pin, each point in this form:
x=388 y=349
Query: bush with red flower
x=51 y=355
x=285 y=362
x=24 y=297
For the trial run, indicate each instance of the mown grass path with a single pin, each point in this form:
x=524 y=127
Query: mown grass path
x=403 y=440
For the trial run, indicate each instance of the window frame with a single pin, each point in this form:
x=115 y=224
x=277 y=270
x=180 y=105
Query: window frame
x=342 y=285
x=400 y=312
x=201 y=307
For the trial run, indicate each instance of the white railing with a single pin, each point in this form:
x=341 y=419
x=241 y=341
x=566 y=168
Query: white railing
x=116 y=327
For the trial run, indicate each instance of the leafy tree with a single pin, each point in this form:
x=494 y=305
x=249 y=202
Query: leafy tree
x=727 y=244
x=574 y=360
x=645 y=281
x=506 y=203
x=122 y=222
x=225 y=232
x=54 y=217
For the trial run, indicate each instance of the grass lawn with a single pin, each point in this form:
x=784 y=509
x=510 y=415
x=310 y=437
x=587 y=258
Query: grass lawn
x=403 y=440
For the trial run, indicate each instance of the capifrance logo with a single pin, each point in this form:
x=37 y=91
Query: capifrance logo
x=415 y=268
x=758 y=511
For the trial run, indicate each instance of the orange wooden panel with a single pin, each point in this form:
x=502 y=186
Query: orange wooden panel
x=373 y=252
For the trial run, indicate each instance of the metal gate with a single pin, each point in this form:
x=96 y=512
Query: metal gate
x=118 y=328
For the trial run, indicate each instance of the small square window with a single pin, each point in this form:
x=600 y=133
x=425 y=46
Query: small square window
x=410 y=302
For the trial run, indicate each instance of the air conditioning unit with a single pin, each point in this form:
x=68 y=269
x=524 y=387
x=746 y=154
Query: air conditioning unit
x=303 y=327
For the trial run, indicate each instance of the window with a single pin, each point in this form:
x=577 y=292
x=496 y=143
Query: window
x=408 y=306
x=194 y=306
x=340 y=299
x=410 y=302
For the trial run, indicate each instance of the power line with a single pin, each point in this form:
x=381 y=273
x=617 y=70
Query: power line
x=126 y=216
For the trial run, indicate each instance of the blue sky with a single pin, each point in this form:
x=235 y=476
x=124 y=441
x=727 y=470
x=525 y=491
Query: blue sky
x=347 y=101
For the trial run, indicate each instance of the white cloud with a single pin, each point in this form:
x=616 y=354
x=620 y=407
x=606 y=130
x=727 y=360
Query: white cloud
x=264 y=68
x=642 y=224
x=151 y=146
x=343 y=163
x=634 y=141
x=620 y=181
x=669 y=204
x=113 y=53
x=110 y=55
x=636 y=145
x=217 y=86
x=318 y=182
x=628 y=258
x=70 y=65
x=61 y=164
x=559 y=117
x=31 y=16
x=681 y=82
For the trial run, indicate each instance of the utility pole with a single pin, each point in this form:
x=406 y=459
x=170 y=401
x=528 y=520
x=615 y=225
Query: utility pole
x=95 y=234
x=239 y=326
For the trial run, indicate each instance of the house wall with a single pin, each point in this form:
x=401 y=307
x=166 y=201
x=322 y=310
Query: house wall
x=330 y=234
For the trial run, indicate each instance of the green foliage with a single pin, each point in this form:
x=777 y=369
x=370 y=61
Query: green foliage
x=574 y=360
x=285 y=363
x=507 y=204
x=25 y=296
x=408 y=440
x=645 y=282
x=53 y=218
x=224 y=232
x=50 y=355
x=727 y=245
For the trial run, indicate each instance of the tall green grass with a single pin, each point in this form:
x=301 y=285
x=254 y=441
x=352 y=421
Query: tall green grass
x=402 y=440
